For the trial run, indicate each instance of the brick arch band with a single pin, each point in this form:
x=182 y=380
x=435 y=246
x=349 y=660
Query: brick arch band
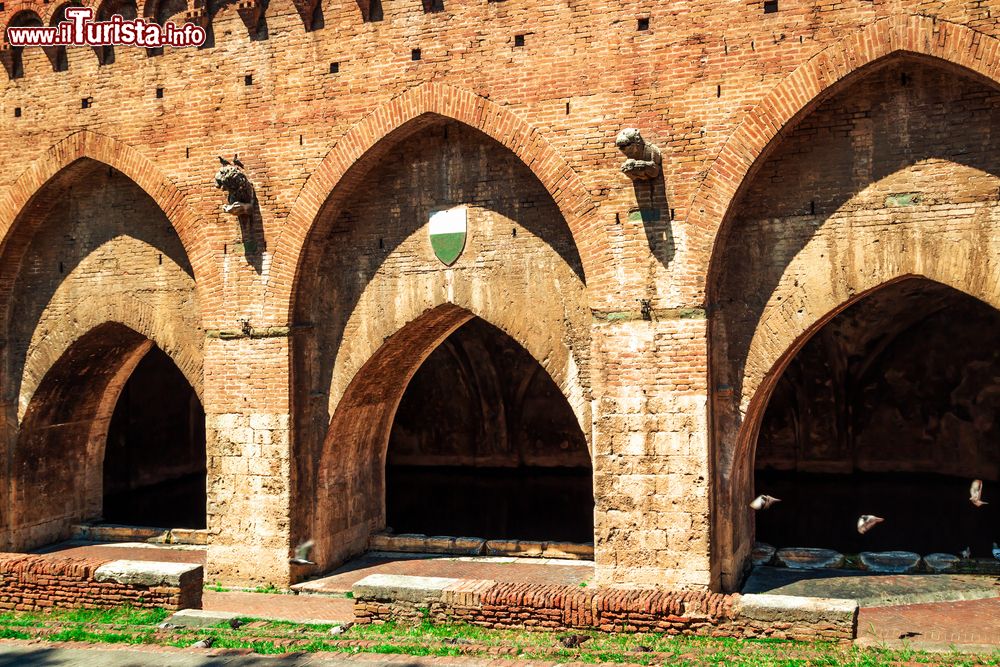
x=21 y=197
x=135 y=314
x=347 y=505
x=375 y=135
x=800 y=93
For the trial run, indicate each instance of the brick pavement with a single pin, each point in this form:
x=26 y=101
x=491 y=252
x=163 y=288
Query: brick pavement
x=523 y=570
x=279 y=606
x=127 y=551
x=969 y=625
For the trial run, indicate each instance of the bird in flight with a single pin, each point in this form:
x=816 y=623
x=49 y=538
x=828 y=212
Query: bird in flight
x=867 y=521
x=763 y=502
x=976 y=493
x=302 y=554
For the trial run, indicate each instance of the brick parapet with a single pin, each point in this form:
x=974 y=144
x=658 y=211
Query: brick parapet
x=30 y=582
x=547 y=607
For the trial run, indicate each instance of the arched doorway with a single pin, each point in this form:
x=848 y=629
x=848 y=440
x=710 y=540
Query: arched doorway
x=100 y=284
x=888 y=409
x=893 y=175
x=484 y=431
x=154 y=460
x=375 y=302
x=111 y=399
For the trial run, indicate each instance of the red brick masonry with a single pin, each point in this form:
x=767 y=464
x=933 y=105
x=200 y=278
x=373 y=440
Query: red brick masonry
x=33 y=583
x=553 y=607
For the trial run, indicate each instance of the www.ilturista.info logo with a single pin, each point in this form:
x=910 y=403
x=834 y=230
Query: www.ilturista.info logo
x=79 y=29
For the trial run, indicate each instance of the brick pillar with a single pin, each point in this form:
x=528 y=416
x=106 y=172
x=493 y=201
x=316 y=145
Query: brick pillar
x=651 y=462
x=247 y=431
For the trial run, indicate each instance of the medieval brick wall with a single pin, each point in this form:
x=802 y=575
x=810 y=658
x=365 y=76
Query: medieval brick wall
x=611 y=286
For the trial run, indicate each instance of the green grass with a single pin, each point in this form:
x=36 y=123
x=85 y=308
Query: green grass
x=270 y=588
x=139 y=626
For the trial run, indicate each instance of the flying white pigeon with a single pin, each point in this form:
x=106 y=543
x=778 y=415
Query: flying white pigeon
x=302 y=554
x=996 y=551
x=763 y=502
x=976 y=493
x=867 y=521
x=966 y=553
x=341 y=629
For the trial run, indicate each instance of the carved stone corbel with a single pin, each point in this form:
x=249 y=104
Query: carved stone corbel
x=232 y=178
x=643 y=161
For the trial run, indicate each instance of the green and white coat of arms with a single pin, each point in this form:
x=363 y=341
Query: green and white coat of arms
x=448 y=229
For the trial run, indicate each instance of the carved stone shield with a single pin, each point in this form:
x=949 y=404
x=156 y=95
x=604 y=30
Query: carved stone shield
x=448 y=229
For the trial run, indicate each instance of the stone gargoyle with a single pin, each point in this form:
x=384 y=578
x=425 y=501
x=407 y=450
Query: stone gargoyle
x=232 y=178
x=644 y=159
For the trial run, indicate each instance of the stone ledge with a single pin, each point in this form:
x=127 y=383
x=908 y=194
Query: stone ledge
x=148 y=573
x=122 y=533
x=401 y=587
x=798 y=610
x=475 y=546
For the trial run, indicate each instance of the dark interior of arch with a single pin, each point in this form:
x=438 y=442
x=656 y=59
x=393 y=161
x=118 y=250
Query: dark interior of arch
x=484 y=444
x=890 y=409
x=154 y=461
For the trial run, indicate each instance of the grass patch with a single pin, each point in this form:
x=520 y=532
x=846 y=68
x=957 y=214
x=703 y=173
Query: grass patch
x=81 y=634
x=270 y=588
x=116 y=616
x=139 y=626
x=13 y=633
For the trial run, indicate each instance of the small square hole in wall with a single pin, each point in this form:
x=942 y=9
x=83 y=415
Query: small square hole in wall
x=643 y=23
x=415 y=54
x=248 y=80
x=375 y=12
x=334 y=68
x=17 y=112
x=770 y=6
x=86 y=102
x=159 y=93
x=518 y=40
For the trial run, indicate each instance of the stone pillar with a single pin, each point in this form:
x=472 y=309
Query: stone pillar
x=651 y=462
x=247 y=431
x=8 y=440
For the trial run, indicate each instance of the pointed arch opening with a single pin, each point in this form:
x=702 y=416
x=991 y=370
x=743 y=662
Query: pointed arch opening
x=892 y=175
x=154 y=460
x=96 y=286
x=371 y=274
x=483 y=430
x=397 y=443
x=83 y=441
x=886 y=409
